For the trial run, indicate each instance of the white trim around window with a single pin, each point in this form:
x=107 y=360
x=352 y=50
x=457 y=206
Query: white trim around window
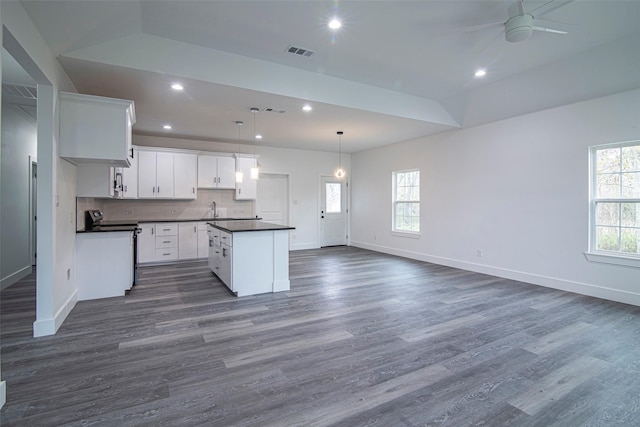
x=614 y=204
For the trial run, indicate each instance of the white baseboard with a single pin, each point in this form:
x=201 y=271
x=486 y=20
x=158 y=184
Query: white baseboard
x=43 y=327
x=3 y=393
x=14 y=277
x=303 y=246
x=535 y=279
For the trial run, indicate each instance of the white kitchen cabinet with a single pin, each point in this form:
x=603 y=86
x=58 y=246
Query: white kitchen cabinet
x=95 y=129
x=95 y=180
x=248 y=188
x=187 y=240
x=166 y=241
x=146 y=243
x=155 y=175
x=216 y=172
x=203 y=240
x=104 y=262
x=185 y=175
x=130 y=178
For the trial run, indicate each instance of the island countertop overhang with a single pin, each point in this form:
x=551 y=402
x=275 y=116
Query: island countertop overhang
x=247 y=225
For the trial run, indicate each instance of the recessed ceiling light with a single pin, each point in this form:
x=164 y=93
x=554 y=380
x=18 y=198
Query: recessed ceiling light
x=258 y=136
x=307 y=107
x=334 y=24
x=480 y=73
x=177 y=86
x=167 y=127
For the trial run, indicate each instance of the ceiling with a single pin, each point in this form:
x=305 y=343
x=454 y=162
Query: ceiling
x=395 y=71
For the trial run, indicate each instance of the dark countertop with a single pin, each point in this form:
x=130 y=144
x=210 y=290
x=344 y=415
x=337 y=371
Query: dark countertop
x=254 y=225
x=196 y=219
x=110 y=228
x=132 y=224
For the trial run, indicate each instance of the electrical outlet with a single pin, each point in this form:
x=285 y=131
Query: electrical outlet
x=127 y=211
x=479 y=253
x=174 y=211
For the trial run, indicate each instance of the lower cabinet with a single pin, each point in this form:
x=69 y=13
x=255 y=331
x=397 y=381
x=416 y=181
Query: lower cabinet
x=104 y=262
x=187 y=240
x=172 y=241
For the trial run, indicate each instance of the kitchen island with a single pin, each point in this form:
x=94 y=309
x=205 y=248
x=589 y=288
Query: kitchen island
x=250 y=257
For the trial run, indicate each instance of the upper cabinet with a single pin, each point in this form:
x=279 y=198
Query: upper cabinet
x=184 y=175
x=155 y=175
x=248 y=188
x=166 y=175
x=216 y=172
x=95 y=129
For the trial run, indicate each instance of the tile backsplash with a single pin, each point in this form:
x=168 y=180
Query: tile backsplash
x=145 y=209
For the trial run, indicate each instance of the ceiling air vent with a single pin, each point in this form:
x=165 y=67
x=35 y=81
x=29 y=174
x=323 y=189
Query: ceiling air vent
x=299 y=51
x=273 y=110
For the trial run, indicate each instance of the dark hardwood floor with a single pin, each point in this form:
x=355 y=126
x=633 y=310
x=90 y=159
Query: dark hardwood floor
x=362 y=339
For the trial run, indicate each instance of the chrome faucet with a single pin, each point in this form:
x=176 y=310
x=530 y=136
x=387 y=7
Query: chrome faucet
x=213 y=209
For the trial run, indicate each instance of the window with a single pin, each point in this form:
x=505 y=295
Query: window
x=333 y=192
x=615 y=200
x=406 y=201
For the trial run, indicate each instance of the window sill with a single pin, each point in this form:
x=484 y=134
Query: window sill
x=409 y=234
x=610 y=258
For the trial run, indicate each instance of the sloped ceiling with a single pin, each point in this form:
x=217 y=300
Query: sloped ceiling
x=395 y=71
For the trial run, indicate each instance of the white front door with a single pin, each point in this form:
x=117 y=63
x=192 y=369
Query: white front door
x=272 y=201
x=333 y=212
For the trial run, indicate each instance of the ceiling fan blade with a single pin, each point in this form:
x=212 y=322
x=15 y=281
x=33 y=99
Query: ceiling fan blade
x=516 y=8
x=548 y=30
x=555 y=5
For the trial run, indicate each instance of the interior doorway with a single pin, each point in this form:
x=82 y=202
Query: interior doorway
x=272 y=201
x=333 y=211
x=33 y=210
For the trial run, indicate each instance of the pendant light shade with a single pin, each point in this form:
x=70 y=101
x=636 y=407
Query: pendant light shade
x=239 y=174
x=255 y=170
x=340 y=173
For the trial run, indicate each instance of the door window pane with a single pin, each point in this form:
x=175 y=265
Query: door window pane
x=333 y=192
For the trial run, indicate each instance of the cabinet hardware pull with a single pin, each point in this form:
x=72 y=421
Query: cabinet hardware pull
x=166 y=254
x=167 y=241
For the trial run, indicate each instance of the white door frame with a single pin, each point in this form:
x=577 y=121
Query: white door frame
x=33 y=209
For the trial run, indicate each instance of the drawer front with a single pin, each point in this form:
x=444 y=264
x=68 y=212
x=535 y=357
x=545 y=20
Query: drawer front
x=166 y=242
x=167 y=254
x=226 y=238
x=167 y=229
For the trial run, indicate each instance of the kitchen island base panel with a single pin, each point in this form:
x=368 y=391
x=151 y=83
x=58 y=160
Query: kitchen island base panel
x=259 y=262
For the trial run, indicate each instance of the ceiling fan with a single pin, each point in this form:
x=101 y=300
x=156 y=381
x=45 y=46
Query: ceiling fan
x=520 y=24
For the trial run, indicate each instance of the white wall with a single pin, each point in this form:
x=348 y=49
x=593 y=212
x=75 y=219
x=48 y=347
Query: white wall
x=19 y=145
x=56 y=177
x=515 y=189
x=303 y=167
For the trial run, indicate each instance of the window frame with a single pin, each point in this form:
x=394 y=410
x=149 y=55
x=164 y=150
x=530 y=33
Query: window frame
x=395 y=201
x=594 y=254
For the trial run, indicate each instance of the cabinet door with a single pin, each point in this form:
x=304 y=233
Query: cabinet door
x=226 y=172
x=207 y=171
x=164 y=175
x=146 y=243
x=184 y=175
x=146 y=174
x=203 y=240
x=94 y=180
x=248 y=188
x=188 y=240
x=130 y=179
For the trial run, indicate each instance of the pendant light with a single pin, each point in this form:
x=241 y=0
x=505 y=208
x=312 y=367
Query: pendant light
x=239 y=175
x=255 y=170
x=340 y=173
